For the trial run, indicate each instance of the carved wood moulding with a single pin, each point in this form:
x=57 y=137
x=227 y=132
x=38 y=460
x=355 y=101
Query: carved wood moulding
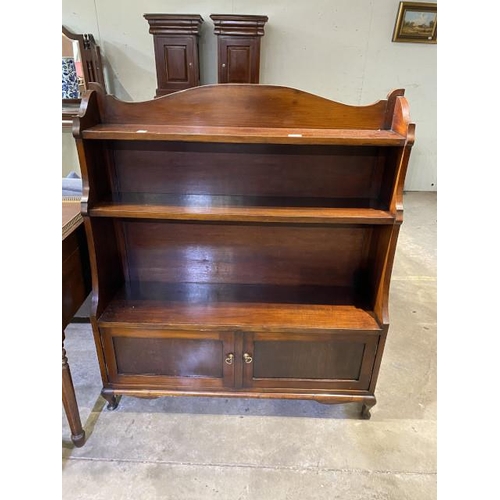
x=174 y=24
x=239 y=25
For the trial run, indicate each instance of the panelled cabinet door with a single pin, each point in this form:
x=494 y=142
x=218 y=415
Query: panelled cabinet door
x=177 y=68
x=169 y=359
x=308 y=361
x=239 y=60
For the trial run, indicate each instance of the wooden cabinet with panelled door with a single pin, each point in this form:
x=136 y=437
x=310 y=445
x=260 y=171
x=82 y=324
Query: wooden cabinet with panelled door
x=245 y=251
x=238 y=47
x=175 y=38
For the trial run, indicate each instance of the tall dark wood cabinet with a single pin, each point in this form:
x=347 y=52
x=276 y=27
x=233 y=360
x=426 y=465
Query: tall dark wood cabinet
x=176 y=50
x=238 y=47
x=245 y=249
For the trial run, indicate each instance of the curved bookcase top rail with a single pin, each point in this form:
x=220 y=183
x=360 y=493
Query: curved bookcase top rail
x=247 y=106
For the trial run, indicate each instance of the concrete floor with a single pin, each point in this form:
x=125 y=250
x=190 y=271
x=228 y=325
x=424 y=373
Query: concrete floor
x=207 y=448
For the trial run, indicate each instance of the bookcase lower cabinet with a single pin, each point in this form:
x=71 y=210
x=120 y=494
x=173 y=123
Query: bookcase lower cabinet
x=244 y=250
x=298 y=365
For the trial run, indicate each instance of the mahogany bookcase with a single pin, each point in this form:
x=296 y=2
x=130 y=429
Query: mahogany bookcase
x=241 y=240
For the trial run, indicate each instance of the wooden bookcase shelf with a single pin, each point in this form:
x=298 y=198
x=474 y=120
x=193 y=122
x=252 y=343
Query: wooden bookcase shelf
x=241 y=239
x=240 y=210
x=225 y=307
x=246 y=135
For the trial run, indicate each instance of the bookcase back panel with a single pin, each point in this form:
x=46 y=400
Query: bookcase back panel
x=248 y=254
x=246 y=170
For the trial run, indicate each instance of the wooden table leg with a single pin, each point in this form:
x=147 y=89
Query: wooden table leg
x=69 y=402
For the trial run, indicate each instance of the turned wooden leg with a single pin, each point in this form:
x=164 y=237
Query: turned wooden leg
x=69 y=402
x=367 y=405
x=110 y=398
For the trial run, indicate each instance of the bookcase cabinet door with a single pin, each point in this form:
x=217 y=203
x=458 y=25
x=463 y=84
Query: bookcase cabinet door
x=167 y=359
x=315 y=361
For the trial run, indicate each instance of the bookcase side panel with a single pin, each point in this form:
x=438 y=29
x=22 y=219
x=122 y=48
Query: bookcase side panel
x=105 y=260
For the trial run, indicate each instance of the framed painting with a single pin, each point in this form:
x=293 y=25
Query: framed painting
x=416 y=22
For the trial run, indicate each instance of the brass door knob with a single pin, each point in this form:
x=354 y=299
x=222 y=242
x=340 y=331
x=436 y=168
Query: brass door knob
x=229 y=359
x=248 y=359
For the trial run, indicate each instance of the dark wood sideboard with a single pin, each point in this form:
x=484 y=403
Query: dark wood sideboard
x=245 y=250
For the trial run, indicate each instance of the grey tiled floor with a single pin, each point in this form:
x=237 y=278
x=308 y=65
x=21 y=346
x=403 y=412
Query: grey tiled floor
x=211 y=448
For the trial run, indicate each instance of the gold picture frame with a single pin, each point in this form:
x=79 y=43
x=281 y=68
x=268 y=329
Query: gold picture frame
x=416 y=22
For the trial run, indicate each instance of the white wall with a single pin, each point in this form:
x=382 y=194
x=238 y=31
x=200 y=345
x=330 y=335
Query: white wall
x=69 y=153
x=339 y=49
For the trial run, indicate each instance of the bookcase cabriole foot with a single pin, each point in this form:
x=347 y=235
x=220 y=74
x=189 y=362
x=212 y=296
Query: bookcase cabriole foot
x=221 y=265
x=110 y=397
x=367 y=406
x=368 y=402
